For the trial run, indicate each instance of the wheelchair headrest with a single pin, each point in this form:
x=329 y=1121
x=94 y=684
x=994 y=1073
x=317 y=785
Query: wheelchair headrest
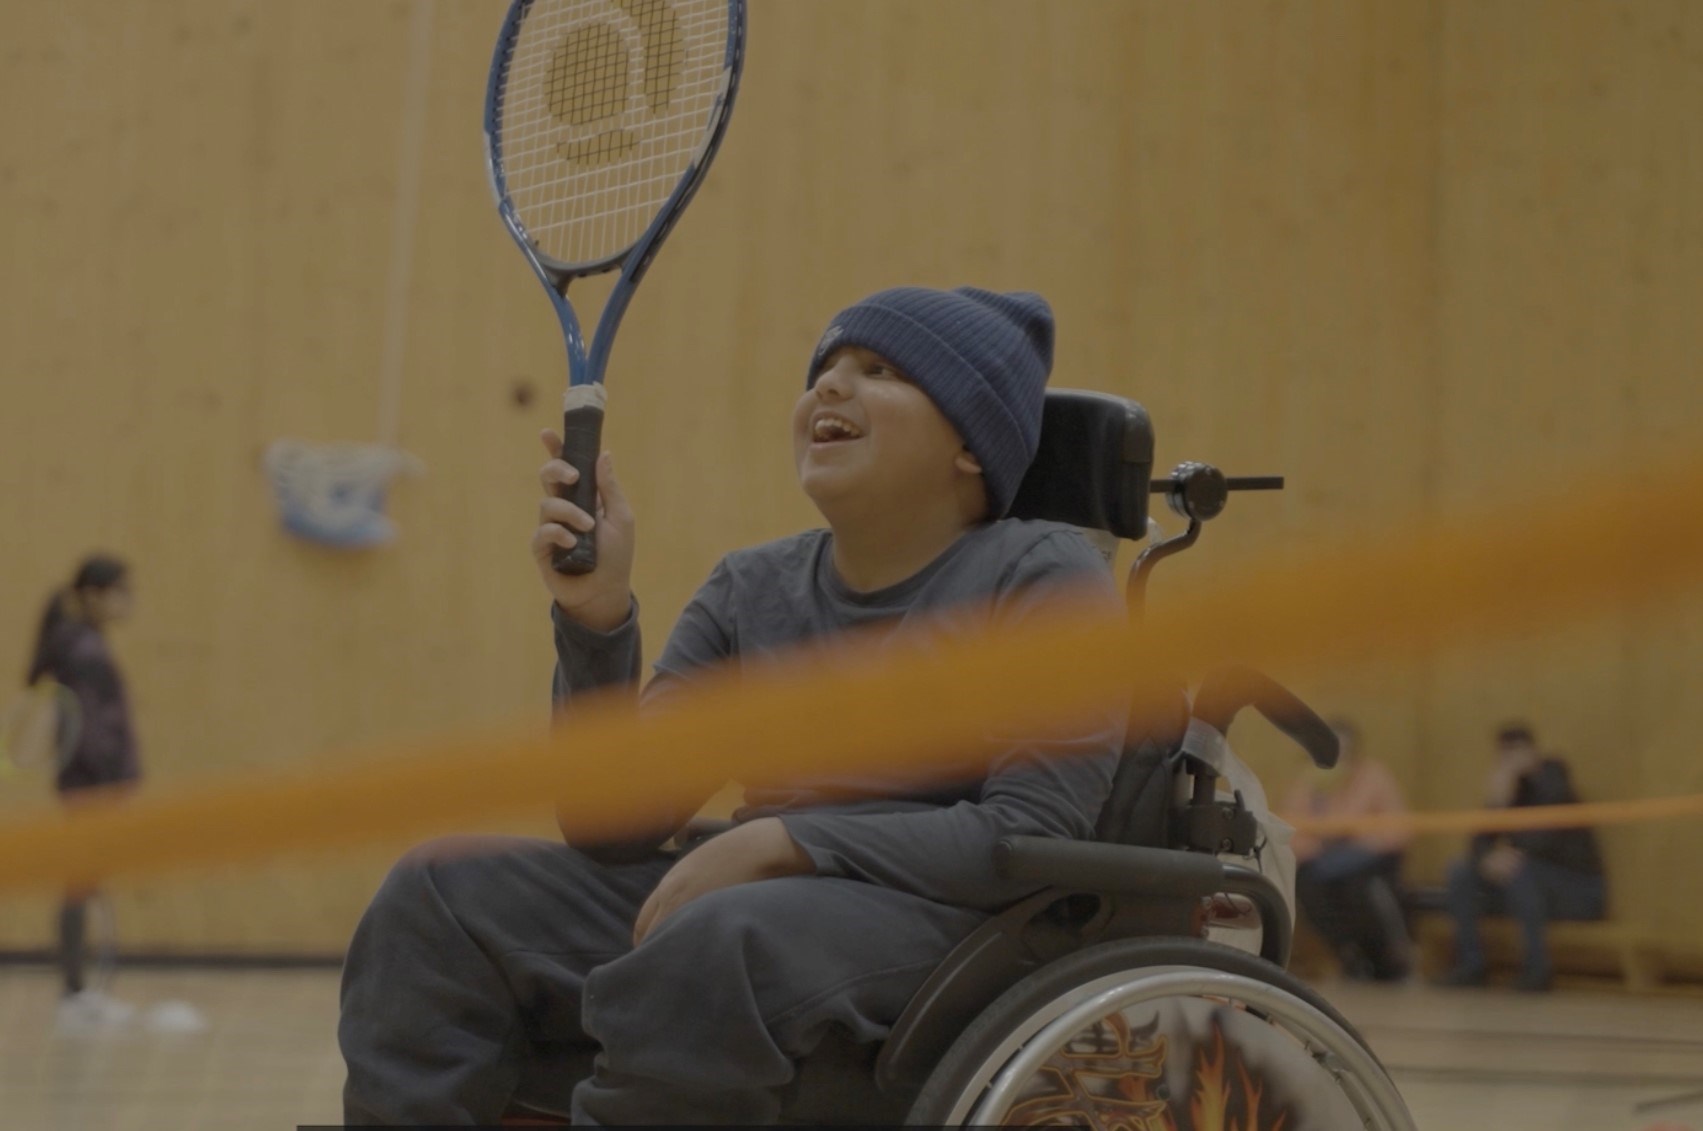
x=1093 y=466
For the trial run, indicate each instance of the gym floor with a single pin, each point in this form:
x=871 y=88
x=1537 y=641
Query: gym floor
x=1575 y=1060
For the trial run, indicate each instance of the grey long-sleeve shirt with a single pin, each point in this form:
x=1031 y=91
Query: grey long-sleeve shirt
x=911 y=834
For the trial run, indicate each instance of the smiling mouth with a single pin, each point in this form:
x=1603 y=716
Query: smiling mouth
x=831 y=429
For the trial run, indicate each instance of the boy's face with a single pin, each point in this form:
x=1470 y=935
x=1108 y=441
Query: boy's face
x=863 y=433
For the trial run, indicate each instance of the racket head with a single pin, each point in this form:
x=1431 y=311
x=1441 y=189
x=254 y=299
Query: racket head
x=42 y=726
x=601 y=118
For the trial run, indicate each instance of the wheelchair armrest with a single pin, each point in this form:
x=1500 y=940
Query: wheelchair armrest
x=1126 y=869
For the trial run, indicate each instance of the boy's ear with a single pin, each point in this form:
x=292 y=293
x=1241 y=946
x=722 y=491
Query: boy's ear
x=967 y=462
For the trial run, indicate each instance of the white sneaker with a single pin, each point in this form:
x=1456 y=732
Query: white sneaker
x=174 y=1017
x=91 y=1009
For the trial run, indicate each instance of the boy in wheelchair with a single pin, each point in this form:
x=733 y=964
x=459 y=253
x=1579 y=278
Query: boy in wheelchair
x=702 y=978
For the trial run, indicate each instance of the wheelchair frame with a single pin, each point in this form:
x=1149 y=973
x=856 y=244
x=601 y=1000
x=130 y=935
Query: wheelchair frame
x=1120 y=919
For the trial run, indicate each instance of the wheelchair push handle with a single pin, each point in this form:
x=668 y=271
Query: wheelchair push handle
x=1199 y=492
x=1225 y=692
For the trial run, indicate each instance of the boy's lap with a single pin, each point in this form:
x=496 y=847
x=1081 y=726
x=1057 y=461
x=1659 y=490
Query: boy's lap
x=809 y=948
x=533 y=898
x=834 y=915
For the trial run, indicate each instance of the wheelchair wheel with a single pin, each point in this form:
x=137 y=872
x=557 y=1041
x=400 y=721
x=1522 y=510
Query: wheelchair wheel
x=1161 y=1035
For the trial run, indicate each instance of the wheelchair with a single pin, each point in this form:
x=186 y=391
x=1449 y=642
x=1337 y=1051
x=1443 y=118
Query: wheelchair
x=1113 y=997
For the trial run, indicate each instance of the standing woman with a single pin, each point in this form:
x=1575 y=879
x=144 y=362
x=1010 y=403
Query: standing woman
x=71 y=649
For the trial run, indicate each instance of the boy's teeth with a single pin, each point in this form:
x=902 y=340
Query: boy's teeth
x=834 y=429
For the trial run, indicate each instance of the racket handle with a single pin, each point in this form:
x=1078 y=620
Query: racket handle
x=582 y=440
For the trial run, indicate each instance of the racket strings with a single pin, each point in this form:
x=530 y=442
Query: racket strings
x=602 y=110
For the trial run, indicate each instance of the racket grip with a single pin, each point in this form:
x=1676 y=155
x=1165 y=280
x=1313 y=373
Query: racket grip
x=582 y=440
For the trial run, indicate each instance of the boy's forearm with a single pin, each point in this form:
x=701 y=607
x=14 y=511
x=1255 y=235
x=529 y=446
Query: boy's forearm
x=948 y=854
x=587 y=658
x=945 y=855
x=600 y=618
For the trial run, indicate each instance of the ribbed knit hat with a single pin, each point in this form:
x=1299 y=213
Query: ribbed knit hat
x=982 y=358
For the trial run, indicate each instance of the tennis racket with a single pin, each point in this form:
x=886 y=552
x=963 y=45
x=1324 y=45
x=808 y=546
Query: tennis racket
x=601 y=119
x=40 y=728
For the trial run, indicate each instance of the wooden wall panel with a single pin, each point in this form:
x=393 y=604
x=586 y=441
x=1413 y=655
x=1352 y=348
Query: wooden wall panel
x=1409 y=255
x=1570 y=251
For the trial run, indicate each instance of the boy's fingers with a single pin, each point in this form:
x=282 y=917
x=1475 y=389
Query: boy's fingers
x=550 y=535
x=557 y=473
x=641 y=926
x=552 y=442
x=564 y=513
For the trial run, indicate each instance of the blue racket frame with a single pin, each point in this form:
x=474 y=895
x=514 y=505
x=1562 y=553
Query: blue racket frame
x=583 y=426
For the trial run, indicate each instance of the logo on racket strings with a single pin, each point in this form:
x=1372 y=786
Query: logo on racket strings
x=590 y=81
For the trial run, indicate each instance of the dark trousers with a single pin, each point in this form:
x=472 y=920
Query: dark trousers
x=1348 y=894
x=73 y=934
x=74 y=907
x=1539 y=891
x=476 y=954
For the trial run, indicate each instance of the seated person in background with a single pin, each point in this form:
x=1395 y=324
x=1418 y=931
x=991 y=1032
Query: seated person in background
x=702 y=978
x=1533 y=876
x=1346 y=886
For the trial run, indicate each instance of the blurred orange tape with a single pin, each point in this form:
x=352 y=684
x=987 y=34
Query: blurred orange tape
x=1588 y=815
x=1613 y=546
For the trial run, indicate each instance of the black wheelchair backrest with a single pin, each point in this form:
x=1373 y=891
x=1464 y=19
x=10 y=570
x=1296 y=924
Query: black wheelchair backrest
x=1094 y=464
x=1094 y=469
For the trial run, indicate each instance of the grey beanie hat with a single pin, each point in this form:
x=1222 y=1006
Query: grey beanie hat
x=982 y=358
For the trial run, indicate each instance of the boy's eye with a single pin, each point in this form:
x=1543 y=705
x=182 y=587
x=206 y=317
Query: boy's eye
x=877 y=369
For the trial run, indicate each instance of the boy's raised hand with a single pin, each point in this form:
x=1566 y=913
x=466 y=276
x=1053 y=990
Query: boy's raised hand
x=600 y=599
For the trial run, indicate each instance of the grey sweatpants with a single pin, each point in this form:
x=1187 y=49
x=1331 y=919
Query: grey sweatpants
x=473 y=951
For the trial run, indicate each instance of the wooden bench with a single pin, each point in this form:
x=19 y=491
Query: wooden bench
x=1575 y=947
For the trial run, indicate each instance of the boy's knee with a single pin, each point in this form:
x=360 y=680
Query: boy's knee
x=454 y=870
x=424 y=866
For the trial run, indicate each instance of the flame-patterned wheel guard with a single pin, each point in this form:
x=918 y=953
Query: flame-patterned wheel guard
x=1162 y=1035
